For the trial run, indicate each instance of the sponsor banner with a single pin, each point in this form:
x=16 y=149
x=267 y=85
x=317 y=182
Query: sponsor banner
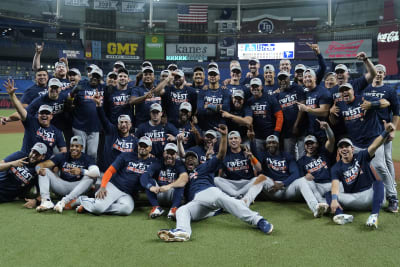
x=124 y=50
x=76 y=2
x=154 y=47
x=96 y=50
x=226 y=48
x=105 y=4
x=301 y=47
x=74 y=54
x=190 y=51
x=88 y=49
x=345 y=49
x=132 y=7
x=266 y=51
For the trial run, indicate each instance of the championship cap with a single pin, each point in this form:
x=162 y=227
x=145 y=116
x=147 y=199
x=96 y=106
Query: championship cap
x=212 y=65
x=172 y=67
x=164 y=72
x=92 y=66
x=380 y=67
x=341 y=67
x=233 y=134
x=186 y=106
x=123 y=70
x=211 y=132
x=269 y=67
x=145 y=140
x=329 y=74
x=272 y=138
x=311 y=71
x=112 y=73
x=311 y=138
x=40 y=148
x=283 y=73
x=345 y=140
x=146 y=64
x=74 y=71
x=148 y=68
x=171 y=146
x=256 y=81
x=59 y=64
x=191 y=153
x=45 y=108
x=215 y=70
x=76 y=140
x=254 y=60
x=97 y=71
x=55 y=82
x=300 y=67
x=345 y=87
x=238 y=93
x=198 y=68
x=119 y=63
x=123 y=117
x=236 y=67
x=155 y=106
x=179 y=73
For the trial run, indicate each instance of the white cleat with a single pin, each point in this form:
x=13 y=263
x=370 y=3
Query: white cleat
x=320 y=209
x=343 y=219
x=372 y=221
x=173 y=235
x=59 y=207
x=45 y=205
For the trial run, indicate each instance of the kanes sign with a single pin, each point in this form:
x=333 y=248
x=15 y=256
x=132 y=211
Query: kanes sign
x=190 y=51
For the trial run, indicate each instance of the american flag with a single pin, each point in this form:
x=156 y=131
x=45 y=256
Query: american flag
x=192 y=13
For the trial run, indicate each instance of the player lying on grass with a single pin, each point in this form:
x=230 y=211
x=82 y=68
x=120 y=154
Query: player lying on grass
x=77 y=172
x=17 y=173
x=362 y=190
x=204 y=198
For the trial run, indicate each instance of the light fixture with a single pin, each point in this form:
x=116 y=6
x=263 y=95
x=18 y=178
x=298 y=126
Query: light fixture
x=33 y=30
x=61 y=33
x=9 y=29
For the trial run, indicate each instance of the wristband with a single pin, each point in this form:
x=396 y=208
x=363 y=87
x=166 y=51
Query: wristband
x=385 y=134
x=334 y=196
x=37 y=168
x=84 y=172
x=254 y=160
x=375 y=104
x=148 y=186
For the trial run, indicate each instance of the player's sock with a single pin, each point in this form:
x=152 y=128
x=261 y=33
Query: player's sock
x=328 y=197
x=177 y=197
x=152 y=198
x=378 y=197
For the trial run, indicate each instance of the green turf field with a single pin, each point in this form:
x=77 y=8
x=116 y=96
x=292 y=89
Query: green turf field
x=47 y=239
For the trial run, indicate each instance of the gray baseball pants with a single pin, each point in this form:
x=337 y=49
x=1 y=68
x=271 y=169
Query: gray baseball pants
x=357 y=201
x=289 y=146
x=90 y=142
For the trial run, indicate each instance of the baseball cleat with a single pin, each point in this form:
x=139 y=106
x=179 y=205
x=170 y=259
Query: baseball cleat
x=265 y=226
x=343 y=219
x=393 y=205
x=59 y=206
x=72 y=204
x=173 y=235
x=372 y=221
x=46 y=204
x=320 y=210
x=172 y=213
x=155 y=212
x=80 y=209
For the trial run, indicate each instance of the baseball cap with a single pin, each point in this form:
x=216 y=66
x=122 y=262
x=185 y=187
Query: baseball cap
x=345 y=140
x=300 y=67
x=76 y=140
x=164 y=72
x=345 y=86
x=148 y=68
x=283 y=73
x=328 y=74
x=186 y=106
x=191 y=153
x=311 y=138
x=96 y=70
x=198 y=68
x=233 y=134
x=155 y=106
x=238 y=93
x=120 y=63
x=254 y=60
x=215 y=70
x=123 y=70
x=235 y=67
x=380 y=67
x=171 y=146
x=269 y=67
x=59 y=64
x=173 y=66
x=211 y=132
x=40 y=148
x=55 y=82
x=179 y=73
x=92 y=66
x=212 y=65
x=311 y=71
x=256 y=81
x=146 y=64
x=272 y=138
x=112 y=73
x=341 y=67
x=74 y=71
x=45 y=107
x=145 y=140
x=123 y=117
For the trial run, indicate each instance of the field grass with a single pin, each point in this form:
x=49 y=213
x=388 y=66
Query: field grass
x=47 y=239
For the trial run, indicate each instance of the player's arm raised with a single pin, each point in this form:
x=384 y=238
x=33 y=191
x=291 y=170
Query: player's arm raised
x=223 y=145
x=10 y=87
x=389 y=127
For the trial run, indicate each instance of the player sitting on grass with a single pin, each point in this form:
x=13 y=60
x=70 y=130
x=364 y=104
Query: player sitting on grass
x=204 y=198
x=362 y=190
x=17 y=172
x=77 y=173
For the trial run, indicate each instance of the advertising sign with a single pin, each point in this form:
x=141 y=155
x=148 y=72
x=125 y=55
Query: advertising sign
x=345 y=49
x=154 y=47
x=119 y=50
x=190 y=51
x=75 y=54
x=266 y=51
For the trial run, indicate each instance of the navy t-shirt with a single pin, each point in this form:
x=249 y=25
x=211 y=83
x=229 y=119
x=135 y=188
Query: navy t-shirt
x=201 y=153
x=173 y=98
x=129 y=169
x=208 y=119
x=116 y=103
x=65 y=163
x=264 y=109
x=361 y=126
x=245 y=111
x=318 y=166
x=50 y=136
x=33 y=92
x=162 y=174
x=16 y=180
x=190 y=139
x=246 y=81
x=355 y=176
x=246 y=91
x=237 y=167
x=142 y=110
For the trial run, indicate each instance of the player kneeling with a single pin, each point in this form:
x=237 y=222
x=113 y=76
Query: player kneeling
x=361 y=188
x=77 y=173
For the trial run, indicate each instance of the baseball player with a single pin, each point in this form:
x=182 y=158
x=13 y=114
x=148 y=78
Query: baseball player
x=120 y=182
x=111 y=79
x=77 y=173
x=37 y=129
x=38 y=89
x=204 y=198
x=205 y=150
x=254 y=72
x=299 y=69
x=17 y=172
x=185 y=125
x=270 y=85
x=285 y=65
x=378 y=90
x=234 y=82
x=163 y=173
x=361 y=188
x=74 y=77
x=199 y=78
